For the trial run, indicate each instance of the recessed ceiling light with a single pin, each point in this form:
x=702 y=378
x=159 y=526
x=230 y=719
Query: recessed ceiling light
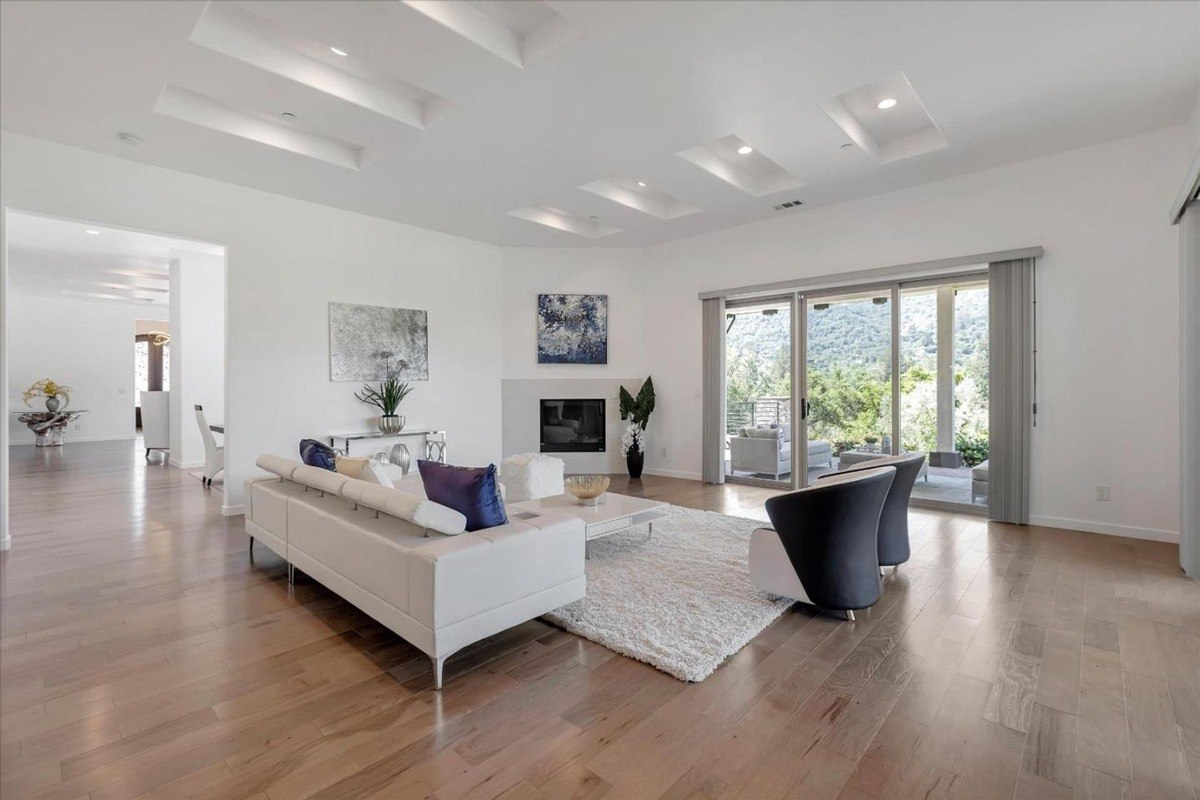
x=745 y=150
x=339 y=52
x=642 y=184
x=887 y=103
x=91 y=232
x=288 y=115
x=129 y=138
x=847 y=144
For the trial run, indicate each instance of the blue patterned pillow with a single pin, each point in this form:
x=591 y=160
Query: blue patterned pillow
x=318 y=454
x=471 y=491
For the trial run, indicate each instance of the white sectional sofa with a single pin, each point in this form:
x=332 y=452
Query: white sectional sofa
x=380 y=549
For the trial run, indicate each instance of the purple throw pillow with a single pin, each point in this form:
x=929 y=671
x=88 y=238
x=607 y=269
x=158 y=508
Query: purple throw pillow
x=471 y=491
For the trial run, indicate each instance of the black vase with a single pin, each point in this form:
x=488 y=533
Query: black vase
x=633 y=461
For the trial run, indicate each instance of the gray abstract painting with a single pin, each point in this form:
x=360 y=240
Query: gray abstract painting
x=366 y=341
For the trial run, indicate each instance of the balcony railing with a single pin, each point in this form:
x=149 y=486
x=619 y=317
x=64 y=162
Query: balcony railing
x=759 y=411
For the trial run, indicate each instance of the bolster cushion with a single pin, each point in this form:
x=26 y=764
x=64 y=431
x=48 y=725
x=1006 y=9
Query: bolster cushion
x=283 y=467
x=319 y=478
x=406 y=506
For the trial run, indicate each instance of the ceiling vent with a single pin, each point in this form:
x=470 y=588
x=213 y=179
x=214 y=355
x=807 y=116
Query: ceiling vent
x=789 y=204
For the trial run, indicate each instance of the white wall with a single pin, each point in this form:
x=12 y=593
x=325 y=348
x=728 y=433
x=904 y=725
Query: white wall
x=1108 y=318
x=1108 y=314
x=197 y=352
x=287 y=260
x=1109 y=369
x=84 y=344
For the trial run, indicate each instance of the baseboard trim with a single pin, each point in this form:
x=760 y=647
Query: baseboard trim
x=68 y=439
x=1107 y=529
x=672 y=473
x=233 y=511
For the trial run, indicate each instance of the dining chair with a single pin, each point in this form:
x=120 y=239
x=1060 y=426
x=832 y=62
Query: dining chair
x=214 y=455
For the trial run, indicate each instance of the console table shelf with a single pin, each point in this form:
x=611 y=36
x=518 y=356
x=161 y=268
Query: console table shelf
x=434 y=441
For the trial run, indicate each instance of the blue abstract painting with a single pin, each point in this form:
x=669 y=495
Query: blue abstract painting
x=572 y=329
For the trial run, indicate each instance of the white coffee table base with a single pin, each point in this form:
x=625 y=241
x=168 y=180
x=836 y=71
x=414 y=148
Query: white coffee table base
x=613 y=514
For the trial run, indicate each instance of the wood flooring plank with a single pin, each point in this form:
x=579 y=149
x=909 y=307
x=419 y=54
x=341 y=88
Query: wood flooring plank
x=145 y=655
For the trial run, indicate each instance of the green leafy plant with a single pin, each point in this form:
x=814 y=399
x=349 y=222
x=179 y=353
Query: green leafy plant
x=638 y=410
x=974 y=449
x=387 y=397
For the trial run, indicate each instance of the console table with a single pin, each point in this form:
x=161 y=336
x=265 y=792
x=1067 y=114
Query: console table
x=433 y=443
x=49 y=426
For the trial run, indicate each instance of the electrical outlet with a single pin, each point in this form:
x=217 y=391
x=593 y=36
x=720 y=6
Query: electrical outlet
x=662 y=452
x=1102 y=494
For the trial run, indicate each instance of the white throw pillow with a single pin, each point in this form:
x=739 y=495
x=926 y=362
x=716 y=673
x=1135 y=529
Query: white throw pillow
x=373 y=472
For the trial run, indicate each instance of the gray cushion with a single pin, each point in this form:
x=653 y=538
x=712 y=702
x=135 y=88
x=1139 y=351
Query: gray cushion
x=980 y=473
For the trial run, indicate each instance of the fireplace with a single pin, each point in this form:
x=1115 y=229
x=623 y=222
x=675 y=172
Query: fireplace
x=572 y=426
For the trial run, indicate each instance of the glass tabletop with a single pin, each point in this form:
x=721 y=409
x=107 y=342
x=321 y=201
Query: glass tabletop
x=382 y=435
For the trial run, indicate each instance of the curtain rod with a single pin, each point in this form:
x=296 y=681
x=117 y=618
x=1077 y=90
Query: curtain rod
x=915 y=269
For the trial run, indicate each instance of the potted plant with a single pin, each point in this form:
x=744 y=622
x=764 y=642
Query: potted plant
x=51 y=391
x=387 y=398
x=637 y=411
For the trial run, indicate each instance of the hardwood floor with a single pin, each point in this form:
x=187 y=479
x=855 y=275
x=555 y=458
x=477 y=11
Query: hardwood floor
x=143 y=654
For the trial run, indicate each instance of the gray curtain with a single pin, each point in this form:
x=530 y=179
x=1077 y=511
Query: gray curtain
x=1010 y=379
x=713 y=447
x=1189 y=390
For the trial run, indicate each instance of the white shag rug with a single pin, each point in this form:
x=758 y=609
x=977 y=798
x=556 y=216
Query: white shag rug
x=680 y=600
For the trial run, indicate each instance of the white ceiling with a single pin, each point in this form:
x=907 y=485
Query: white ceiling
x=617 y=97
x=51 y=257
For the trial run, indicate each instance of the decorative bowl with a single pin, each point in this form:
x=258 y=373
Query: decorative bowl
x=587 y=488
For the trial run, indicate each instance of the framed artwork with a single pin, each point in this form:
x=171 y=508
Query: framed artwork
x=572 y=329
x=368 y=342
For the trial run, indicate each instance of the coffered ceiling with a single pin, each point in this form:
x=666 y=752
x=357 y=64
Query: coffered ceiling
x=536 y=122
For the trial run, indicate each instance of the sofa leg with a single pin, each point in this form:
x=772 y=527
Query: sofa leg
x=252 y=548
x=291 y=573
x=850 y=616
x=438 y=663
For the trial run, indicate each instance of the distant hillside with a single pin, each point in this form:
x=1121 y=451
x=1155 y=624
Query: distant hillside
x=859 y=334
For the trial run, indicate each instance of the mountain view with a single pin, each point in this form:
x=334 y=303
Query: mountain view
x=849 y=347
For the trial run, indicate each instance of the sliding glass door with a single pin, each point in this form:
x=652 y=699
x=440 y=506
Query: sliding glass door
x=816 y=382
x=848 y=375
x=944 y=387
x=758 y=391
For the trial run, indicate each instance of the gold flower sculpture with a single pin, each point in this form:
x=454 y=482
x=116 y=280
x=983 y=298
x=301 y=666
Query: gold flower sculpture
x=47 y=388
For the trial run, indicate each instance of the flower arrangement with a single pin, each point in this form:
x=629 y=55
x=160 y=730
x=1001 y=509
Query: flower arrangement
x=634 y=440
x=50 y=390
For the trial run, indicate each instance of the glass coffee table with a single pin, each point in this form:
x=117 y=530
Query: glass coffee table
x=612 y=513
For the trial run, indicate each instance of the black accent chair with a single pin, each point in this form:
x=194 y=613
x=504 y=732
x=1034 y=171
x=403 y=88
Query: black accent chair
x=822 y=548
x=893 y=523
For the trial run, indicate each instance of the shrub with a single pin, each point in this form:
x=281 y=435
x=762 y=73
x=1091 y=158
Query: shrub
x=974 y=449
